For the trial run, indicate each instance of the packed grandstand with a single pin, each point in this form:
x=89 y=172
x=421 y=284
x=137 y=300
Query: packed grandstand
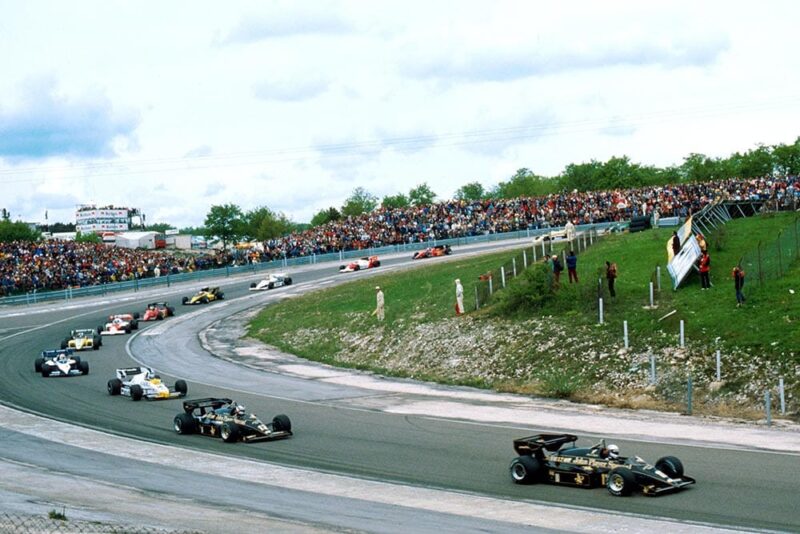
x=61 y=264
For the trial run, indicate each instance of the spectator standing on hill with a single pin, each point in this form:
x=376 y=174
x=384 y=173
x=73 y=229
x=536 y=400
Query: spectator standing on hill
x=572 y=266
x=557 y=268
x=676 y=244
x=569 y=229
x=611 y=276
x=379 y=308
x=705 y=268
x=738 y=284
x=459 y=298
x=701 y=242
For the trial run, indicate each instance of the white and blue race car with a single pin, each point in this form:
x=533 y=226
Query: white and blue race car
x=271 y=282
x=143 y=383
x=60 y=363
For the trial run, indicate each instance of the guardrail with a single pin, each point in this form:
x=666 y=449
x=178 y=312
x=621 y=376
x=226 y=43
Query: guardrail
x=36 y=297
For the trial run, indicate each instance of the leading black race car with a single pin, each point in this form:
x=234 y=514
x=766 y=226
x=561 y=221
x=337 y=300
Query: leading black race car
x=228 y=420
x=594 y=466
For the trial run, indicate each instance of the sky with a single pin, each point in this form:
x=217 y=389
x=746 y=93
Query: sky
x=172 y=107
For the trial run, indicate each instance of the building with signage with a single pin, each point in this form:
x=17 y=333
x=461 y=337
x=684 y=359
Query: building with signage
x=90 y=218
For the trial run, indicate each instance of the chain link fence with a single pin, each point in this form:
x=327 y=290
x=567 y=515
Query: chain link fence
x=30 y=524
x=770 y=261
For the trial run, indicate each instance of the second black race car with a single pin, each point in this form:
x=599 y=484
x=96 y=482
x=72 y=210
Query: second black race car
x=228 y=420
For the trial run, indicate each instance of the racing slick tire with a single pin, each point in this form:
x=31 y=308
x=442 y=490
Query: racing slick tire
x=281 y=423
x=270 y=285
x=114 y=386
x=288 y=281
x=525 y=470
x=184 y=423
x=45 y=372
x=158 y=317
x=221 y=296
x=670 y=466
x=134 y=325
x=204 y=300
x=136 y=392
x=127 y=329
x=95 y=344
x=37 y=364
x=184 y=300
x=136 y=315
x=64 y=344
x=621 y=482
x=77 y=359
x=377 y=263
x=84 y=367
x=252 y=285
x=357 y=267
x=100 y=329
x=181 y=387
x=170 y=311
x=229 y=432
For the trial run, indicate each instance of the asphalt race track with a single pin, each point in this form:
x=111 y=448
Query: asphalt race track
x=736 y=488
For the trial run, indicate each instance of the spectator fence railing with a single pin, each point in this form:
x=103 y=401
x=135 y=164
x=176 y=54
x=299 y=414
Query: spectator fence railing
x=770 y=261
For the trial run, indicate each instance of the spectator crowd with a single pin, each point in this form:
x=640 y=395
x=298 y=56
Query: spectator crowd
x=60 y=264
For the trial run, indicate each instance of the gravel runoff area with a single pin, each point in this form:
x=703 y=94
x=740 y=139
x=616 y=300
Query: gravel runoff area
x=225 y=340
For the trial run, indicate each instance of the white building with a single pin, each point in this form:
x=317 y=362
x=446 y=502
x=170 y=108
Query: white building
x=89 y=218
x=137 y=240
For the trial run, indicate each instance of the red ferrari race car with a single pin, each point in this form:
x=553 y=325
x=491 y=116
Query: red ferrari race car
x=361 y=263
x=432 y=252
x=118 y=324
x=158 y=310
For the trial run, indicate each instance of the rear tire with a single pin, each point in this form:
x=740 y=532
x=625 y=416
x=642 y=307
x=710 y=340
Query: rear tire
x=621 y=482
x=229 y=432
x=377 y=263
x=525 y=470
x=64 y=344
x=184 y=300
x=184 y=423
x=99 y=329
x=84 y=367
x=136 y=315
x=252 y=285
x=670 y=466
x=270 y=286
x=134 y=325
x=95 y=344
x=281 y=423
x=136 y=392
x=181 y=387
x=37 y=364
x=114 y=386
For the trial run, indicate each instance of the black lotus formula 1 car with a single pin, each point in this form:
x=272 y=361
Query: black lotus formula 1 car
x=228 y=420
x=554 y=458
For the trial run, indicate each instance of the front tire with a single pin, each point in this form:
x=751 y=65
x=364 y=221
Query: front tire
x=114 y=386
x=136 y=315
x=45 y=372
x=134 y=325
x=37 y=364
x=281 y=423
x=181 y=387
x=184 y=423
x=229 y=432
x=525 y=470
x=184 y=300
x=288 y=281
x=136 y=392
x=621 y=482
x=64 y=344
x=84 y=367
x=670 y=466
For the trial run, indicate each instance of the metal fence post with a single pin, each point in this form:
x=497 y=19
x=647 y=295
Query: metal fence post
x=490 y=286
x=768 y=407
x=477 y=303
x=651 y=295
x=625 y=332
x=782 y=396
x=719 y=367
x=514 y=266
x=503 y=275
x=689 y=395
x=683 y=340
x=600 y=306
x=524 y=259
x=658 y=276
x=652 y=368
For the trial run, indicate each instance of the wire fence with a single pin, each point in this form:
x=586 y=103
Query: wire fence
x=542 y=250
x=770 y=261
x=30 y=524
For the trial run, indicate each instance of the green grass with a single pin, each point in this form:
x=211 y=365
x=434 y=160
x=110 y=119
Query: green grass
x=559 y=349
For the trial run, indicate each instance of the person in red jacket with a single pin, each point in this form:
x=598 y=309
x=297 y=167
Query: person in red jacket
x=705 y=268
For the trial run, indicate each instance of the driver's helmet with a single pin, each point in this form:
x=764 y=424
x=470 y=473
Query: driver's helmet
x=613 y=451
x=237 y=409
x=117 y=320
x=62 y=358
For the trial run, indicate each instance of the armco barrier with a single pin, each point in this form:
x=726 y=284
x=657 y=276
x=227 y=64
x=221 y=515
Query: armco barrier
x=35 y=297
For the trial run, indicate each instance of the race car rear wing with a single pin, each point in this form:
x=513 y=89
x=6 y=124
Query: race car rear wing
x=128 y=371
x=549 y=442
x=53 y=353
x=204 y=404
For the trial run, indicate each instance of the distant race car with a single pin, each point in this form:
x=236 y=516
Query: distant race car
x=204 y=296
x=82 y=339
x=547 y=458
x=271 y=282
x=228 y=420
x=158 y=310
x=432 y=252
x=367 y=262
x=60 y=363
x=143 y=383
x=117 y=326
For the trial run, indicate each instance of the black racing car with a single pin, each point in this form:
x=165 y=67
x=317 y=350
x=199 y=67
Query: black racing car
x=554 y=458
x=228 y=420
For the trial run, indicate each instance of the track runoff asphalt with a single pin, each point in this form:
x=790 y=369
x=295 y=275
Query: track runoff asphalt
x=369 y=453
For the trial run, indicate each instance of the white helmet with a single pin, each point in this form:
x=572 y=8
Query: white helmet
x=613 y=451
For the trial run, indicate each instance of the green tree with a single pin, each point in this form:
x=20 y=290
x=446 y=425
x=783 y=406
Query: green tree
x=158 y=227
x=90 y=237
x=758 y=162
x=422 y=195
x=193 y=230
x=262 y=223
x=524 y=183
x=360 y=201
x=225 y=222
x=395 y=201
x=17 y=231
x=471 y=191
x=325 y=216
x=787 y=158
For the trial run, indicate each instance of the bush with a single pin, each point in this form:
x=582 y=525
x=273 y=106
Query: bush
x=529 y=291
x=561 y=383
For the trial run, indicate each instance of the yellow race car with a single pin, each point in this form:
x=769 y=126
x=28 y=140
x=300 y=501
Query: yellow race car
x=204 y=296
